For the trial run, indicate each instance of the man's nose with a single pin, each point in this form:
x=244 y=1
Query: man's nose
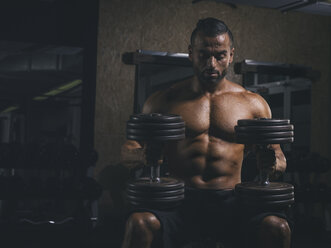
x=211 y=62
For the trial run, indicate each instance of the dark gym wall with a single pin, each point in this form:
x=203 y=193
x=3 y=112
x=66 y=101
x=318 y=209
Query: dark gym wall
x=163 y=25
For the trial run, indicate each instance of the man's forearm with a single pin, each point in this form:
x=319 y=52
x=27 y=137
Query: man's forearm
x=132 y=154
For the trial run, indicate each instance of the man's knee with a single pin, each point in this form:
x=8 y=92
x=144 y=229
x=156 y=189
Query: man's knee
x=143 y=222
x=276 y=226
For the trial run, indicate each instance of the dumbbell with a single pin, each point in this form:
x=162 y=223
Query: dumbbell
x=264 y=194
x=154 y=130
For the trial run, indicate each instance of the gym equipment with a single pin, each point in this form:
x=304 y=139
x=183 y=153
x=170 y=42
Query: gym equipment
x=262 y=193
x=154 y=130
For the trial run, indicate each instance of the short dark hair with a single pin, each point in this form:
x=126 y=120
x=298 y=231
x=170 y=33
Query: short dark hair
x=211 y=27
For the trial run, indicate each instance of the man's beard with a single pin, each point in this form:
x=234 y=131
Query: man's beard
x=209 y=81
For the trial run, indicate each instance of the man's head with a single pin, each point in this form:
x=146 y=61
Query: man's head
x=211 y=51
x=211 y=27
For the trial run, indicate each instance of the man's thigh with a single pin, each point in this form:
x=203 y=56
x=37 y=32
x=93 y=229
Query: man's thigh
x=251 y=222
x=174 y=227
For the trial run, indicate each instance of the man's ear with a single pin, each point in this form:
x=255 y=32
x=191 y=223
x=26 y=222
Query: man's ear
x=190 y=52
x=231 y=55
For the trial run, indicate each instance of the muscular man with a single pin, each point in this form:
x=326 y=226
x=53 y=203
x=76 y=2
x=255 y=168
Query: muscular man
x=209 y=160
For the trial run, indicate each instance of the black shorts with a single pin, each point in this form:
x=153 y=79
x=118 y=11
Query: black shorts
x=210 y=214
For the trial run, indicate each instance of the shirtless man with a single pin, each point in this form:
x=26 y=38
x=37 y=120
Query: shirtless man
x=208 y=160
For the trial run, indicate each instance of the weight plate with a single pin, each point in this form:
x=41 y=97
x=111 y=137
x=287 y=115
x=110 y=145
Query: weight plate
x=156 y=138
x=254 y=188
x=265 y=135
x=154 y=126
x=271 y=204
x=143 y=132
x=263 y=198
x=264 y=141
x=156 y=200
x=155 y=117
x=147 y=194
x=260 y=129
x=165 y=184
x=156 y=205
x=263 y=122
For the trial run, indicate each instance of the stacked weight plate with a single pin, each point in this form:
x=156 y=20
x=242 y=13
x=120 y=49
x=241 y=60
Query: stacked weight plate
x=155 y=127
x=273 y=195
x=262 y=132
x=154 y=130
x=168 y=193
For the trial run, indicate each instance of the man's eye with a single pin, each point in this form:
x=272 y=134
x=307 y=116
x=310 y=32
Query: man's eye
x=220 y=56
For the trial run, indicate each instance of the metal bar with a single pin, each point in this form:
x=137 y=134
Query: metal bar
x=289 y=4
x=304 y=4
x=136 y=107
x=256 y=78
x=274 y=69
x=151 y=57
x=287 y=100
x=294 y=84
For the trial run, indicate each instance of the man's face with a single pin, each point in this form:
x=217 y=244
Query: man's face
x=211 y=57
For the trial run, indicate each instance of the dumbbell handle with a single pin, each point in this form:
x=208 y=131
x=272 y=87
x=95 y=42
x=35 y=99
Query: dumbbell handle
x=154 y=152
x=263 y=177
x=155 y=173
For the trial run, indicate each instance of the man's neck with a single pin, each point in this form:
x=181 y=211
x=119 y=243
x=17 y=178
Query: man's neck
x=212 y=90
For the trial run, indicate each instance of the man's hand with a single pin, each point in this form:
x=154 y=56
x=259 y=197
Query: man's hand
x=266 y=159
x=133 y=155
x=270 y=159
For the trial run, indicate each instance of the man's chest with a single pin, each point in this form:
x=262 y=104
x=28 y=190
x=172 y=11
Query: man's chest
x=215 y=117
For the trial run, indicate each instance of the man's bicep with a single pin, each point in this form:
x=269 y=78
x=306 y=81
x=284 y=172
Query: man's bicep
x=153 y=103
x=261 y=107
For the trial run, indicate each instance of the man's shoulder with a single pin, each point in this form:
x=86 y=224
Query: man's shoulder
x=179 y=86
x=233 y=87
x=236 y=89
x=159 y=99
x=253 y=101
x=173 y=91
